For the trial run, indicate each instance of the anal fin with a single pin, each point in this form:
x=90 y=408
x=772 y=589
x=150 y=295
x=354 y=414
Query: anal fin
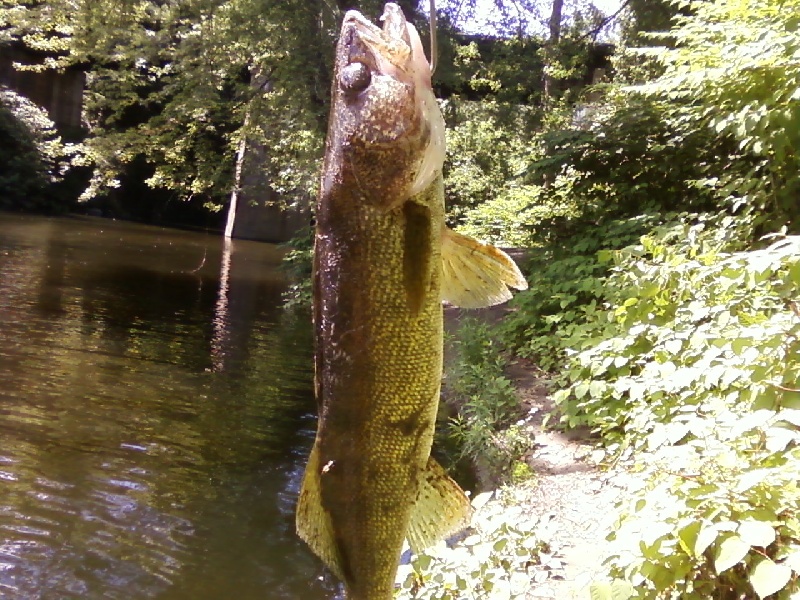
x=476 y=275
x=441 y=509
x=312 y=521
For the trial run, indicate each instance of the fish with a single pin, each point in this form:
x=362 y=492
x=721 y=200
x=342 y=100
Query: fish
x=384 y=263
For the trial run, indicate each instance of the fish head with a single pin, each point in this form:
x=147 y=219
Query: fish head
x=385 y=120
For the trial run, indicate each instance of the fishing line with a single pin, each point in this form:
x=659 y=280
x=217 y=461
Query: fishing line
x=434 y=49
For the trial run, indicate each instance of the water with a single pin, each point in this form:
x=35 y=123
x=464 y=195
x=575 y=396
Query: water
x=156 y=411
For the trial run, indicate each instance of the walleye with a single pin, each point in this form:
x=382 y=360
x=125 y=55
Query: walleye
x=384 y=261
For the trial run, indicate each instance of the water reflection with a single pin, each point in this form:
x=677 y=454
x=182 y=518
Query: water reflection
x=153 y=424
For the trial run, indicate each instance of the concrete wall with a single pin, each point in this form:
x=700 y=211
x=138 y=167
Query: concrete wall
x=261 y=214
x=61 y=94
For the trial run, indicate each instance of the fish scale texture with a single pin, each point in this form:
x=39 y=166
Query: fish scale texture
x=385 y=359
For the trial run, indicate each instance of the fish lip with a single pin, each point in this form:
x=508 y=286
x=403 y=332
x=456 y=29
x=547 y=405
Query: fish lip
x=387 y=51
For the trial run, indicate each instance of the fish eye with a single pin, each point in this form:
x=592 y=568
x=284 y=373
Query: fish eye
x=355 y=77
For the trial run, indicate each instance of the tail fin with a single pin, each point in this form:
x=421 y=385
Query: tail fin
x=312 y=520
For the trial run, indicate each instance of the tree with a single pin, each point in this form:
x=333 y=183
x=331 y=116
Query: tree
x=169 y=84
x=732 y=67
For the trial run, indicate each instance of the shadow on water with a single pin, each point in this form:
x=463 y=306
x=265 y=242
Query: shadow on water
x=153 y=430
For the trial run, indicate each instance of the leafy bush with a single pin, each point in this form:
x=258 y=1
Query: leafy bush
x=506 y=220
x=568 y=287
x=691 y=364
x=33 y=156
x=733 y=69
x=487 y=402
x=487 y=149
x=688 y=318
x=723 y=523
x=625 y=158
x=498 y=561
x=297 y=263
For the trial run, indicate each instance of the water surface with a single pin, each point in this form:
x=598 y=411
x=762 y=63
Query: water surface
x=156 y=410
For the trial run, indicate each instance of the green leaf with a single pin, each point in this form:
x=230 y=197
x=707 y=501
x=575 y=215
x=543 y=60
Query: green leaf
x=687 y=537
x=779 y=438
x=756 y=533
x=706 y=537
x=767 y=577
x=600 y=590
x=731 y=552
x=790 y=415
x=622 y=590
x=596 y=389
x=793 y=561
x=751 y=478
x=618 y=589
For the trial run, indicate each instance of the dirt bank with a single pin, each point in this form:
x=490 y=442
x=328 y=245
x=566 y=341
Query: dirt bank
x=569 y=487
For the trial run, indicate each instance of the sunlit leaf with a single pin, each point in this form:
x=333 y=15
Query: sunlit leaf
x=731 y=551
x=688 y=536
x=756 y=533
x=751 y=478
x=767 y=577
x=706 y=536
x=793 y=560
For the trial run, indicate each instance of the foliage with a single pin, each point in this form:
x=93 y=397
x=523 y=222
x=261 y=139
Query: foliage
x=681 y=351
x=625 y=159
x=32 y=154
x=498 y=560
x=506 y=71
x=487 y=147
x=692 y=359
x=723 y=523
x=509 y=218
x=734 y=67
x=674 y=303
x=610 y=160
x=567 y=290
x=298 y=264
x=173 y=84
x=486 y=401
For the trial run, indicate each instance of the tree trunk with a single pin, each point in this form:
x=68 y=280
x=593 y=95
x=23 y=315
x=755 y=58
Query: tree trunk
x=237 y=181
x=552 y=43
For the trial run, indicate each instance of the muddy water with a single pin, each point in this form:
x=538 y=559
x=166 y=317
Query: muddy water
x=155 y=414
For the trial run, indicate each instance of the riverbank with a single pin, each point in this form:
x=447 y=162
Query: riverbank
x=570 y=499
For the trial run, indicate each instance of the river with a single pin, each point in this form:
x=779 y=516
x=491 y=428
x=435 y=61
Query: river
x=156 y=410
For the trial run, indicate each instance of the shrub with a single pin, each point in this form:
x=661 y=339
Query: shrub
x=497 y=561
x=33 y=156
x=567 y=288
x=297 y=263
x=723 y=522
x=487 y=402
x=690 y=365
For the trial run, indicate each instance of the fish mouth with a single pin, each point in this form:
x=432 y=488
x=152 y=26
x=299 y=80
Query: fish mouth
x=385 y=103
x=393 y=50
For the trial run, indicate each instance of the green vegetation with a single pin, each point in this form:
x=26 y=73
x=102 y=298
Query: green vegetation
x=693 y=363
x=485 y=428
x=505 y=551
x=33 y=156
x=666 y=300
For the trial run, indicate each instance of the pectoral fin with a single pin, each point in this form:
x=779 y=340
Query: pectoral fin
x=441 y=509
x=312 y=521
x=475 y=275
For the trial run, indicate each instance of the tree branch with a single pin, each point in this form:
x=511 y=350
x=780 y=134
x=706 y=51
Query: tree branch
x=605 y=21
